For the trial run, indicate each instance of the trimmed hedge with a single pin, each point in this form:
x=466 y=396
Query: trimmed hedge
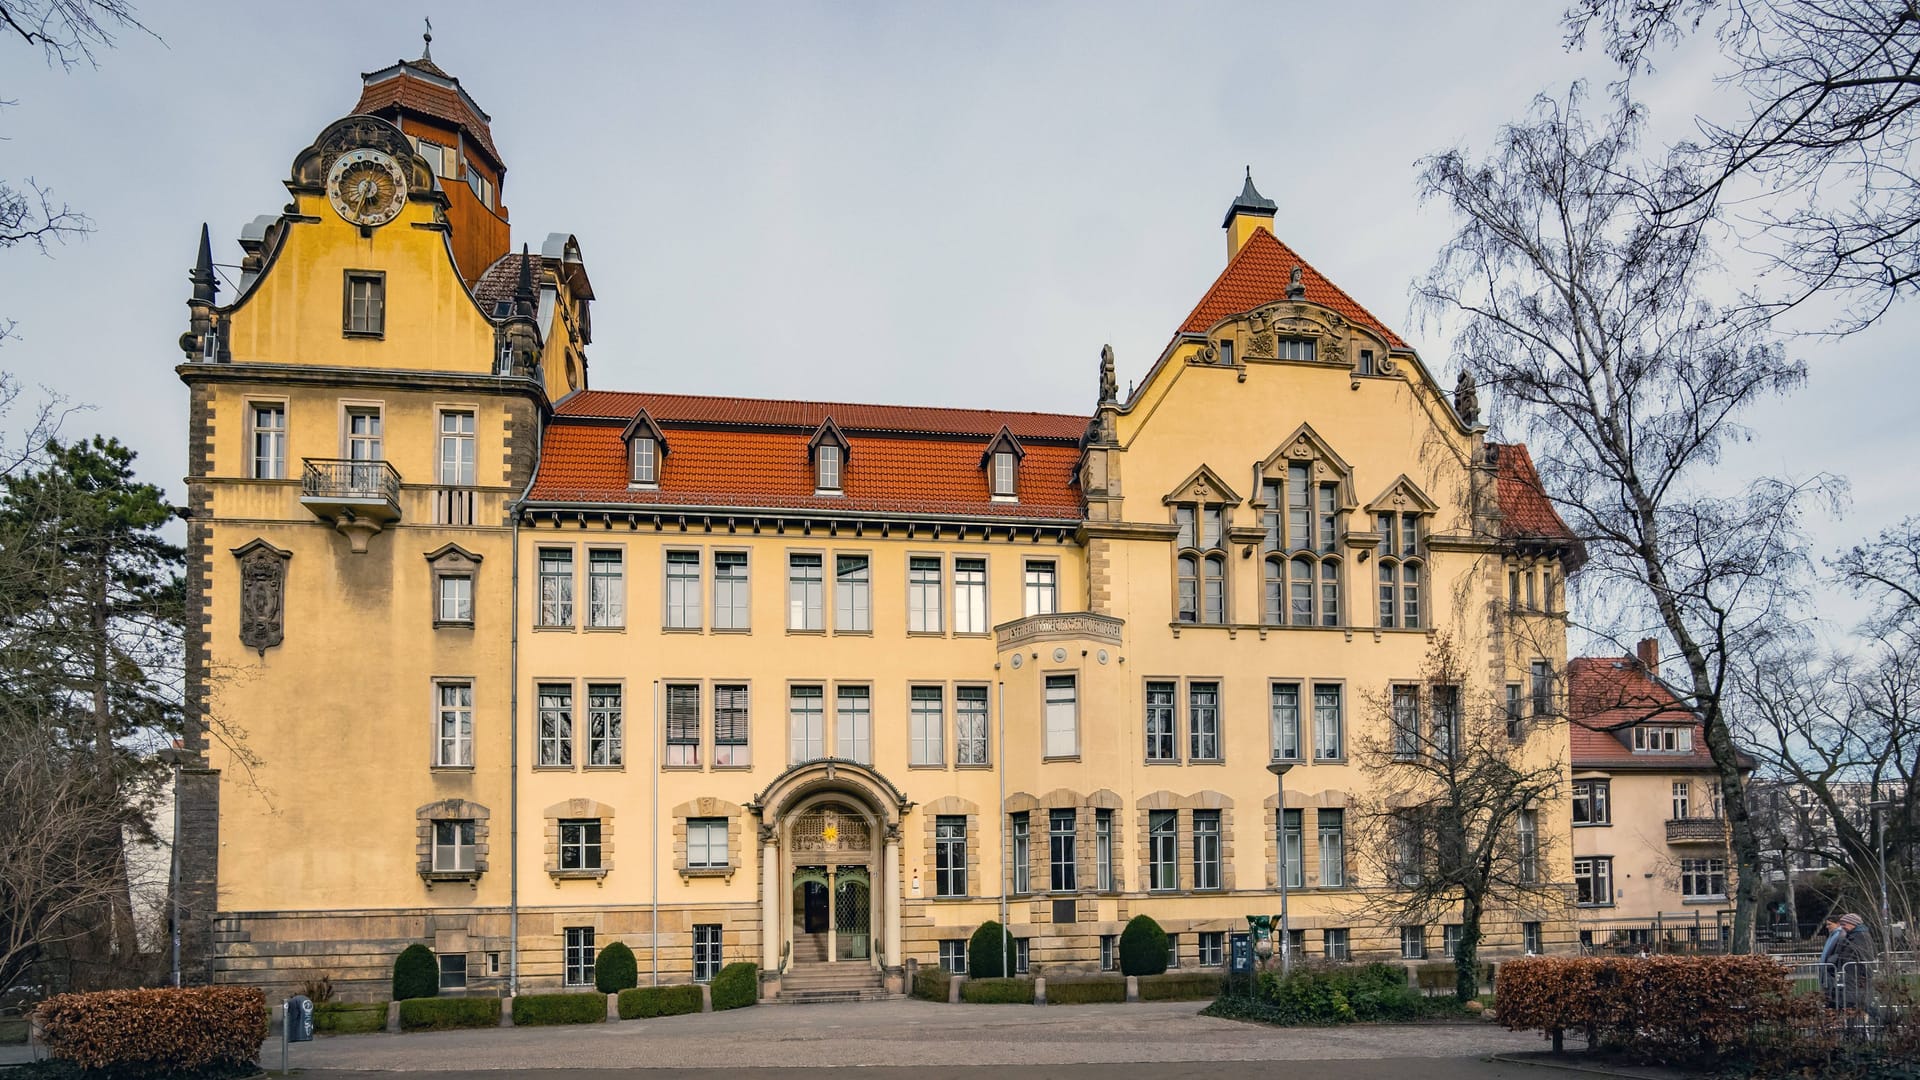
x=1099 y=990
x=416 y=974
x=987 y=952
x=615 y=969
x=1143 y=947
x=1187 y=986
x=1658 y=1005
x=736 y=987
x=536 y=1010
x=143 y=1033
x=931 y=984
x=648 y=1002
x=441 y=1014
x=997 y=991
x=350 y=1017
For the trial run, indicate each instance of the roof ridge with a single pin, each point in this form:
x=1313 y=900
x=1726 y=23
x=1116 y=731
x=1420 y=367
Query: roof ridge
x=839 y=404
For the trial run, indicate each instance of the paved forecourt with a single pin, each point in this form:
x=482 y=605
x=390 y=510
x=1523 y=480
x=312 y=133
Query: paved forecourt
x=902 y=1032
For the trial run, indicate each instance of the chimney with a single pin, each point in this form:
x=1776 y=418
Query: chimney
x=1649 y=653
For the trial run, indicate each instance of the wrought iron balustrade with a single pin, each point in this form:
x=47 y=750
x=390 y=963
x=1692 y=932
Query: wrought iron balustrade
x=341 y=478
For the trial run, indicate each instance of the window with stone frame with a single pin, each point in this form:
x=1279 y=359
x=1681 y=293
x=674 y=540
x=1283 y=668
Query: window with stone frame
x=453 y=846
x=731 y=595
x=1163 y=850
x=454 y=570
x=1338 y=943
x=683 y=725
x=556 y=587
x=732 y=726
x=1200 y=563
x=926 y=725
x=1401 y=563
x=970 y=725
x=853 y=723
x=706 y=952
x=1413 y=943
x=606 y=725
x=1304 y=533
x=707 y=844
x=451 y=838
x=950 y=855
x=1018 y=825
x=1203 y=721
x=953 y=956
x=579 y=839
x=606 y=588
x=453 y=724
x=1206 y=849
x=1103 y=849
x=580 y=844
x=1283 y=717
x=1162 y=743
x=1333 y=847
x=554 y=742
x=579 y=956
x=852 y=594
x=1062 y=856
x=1042 y=586
x=1212 y=948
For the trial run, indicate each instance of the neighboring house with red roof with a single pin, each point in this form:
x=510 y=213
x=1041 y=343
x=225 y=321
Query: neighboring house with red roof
x=1650 y=840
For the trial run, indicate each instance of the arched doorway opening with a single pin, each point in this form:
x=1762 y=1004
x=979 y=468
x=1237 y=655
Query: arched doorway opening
x=830 y=848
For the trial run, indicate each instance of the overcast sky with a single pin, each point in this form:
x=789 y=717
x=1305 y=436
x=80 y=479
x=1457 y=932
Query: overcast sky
x=953 y=205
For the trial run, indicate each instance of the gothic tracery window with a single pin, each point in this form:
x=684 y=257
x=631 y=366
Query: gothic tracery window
x=1402 y=560
x=1201 y=563
x=1302 y=564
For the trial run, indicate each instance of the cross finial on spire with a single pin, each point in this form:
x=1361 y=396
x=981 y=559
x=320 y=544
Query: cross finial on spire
x=426 y=49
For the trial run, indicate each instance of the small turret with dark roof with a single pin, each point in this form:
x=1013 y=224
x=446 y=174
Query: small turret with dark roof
x=1250 y=211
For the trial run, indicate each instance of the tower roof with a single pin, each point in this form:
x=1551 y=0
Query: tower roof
x=1250 y=202
x=423 y=88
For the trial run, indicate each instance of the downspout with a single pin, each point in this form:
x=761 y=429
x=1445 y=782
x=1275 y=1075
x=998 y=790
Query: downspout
x=513 y=739
x=653 y=841
x=1006 y=933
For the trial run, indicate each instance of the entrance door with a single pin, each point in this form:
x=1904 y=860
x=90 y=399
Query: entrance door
x=814 y=905
x=853 y=911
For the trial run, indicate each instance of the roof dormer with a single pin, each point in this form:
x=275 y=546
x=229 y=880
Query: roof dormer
x=829 y=452
x=1001 y=460
x=646 y=448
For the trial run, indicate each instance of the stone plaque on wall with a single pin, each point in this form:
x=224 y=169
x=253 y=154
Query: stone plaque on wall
x=263 y=591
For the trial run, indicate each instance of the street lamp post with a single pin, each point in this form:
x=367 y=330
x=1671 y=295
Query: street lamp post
x=1880 y=809
x=1279 y=771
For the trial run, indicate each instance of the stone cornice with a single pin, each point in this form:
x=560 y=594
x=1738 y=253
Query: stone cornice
x=385 y=379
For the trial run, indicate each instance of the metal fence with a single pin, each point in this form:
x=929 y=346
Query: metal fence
x=1868 y=997
x=1671 y=932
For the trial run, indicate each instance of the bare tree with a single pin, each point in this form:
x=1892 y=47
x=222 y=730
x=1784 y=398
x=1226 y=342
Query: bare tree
x=1820 y=160
x=1590 y=323
x=1451 y=825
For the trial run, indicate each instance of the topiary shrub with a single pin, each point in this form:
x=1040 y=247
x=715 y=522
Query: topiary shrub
x=987 y=952
x=1098 y=990
x=1143 y=947
x=615 y=969
x=416 y=974
x=155 y=1033
x=441 y=1014
x=350 y=1017
x=997 y=991
x=648 y=1002
x=535 y=1010
x=737 y=986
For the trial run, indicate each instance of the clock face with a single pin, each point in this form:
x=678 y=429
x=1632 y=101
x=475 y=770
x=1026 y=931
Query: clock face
x=366 y=187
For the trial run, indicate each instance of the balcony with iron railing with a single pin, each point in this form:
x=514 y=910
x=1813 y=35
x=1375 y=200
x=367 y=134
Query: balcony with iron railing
x=359 y=497
x=1697 y=830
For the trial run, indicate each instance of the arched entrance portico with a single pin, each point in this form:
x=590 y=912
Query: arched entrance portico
x=830 y=865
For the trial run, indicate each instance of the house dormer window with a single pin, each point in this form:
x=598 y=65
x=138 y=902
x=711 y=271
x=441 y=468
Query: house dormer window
x=830 y=453
x=826 y=465
x=645 y=447
x=1002 y=464
x=644 y=461
x=1003 y=472
x=1662 y=739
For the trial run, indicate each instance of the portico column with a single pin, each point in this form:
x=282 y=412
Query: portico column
x=894 y=953
x=769 y=901
x=833 y=950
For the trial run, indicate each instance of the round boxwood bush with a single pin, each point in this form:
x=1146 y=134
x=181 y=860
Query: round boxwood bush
x=615 y=969
x=737 y=986
x=416 y=974
x=1143 y=947
x=987 y=952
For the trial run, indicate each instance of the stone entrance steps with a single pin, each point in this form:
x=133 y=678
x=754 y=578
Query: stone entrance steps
x=818 y=982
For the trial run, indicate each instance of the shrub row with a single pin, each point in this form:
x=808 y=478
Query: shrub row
x=140 y=1033
x=440 y=1014
x=647 y=1002
x=1188 y=986
x=736 y=987
x=349 y=1017
x=535 y=1010
x=931 y=984
x=1338 y=994
x=1657 y=1004
x=1097 y=990
x=997 y=992
x=1444 y=977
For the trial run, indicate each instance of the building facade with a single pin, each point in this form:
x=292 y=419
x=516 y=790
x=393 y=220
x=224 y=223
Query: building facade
x=1650 y=837
x=514 y=666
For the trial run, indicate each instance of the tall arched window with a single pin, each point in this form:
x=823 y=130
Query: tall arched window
x=1302 y=549
x=1402 y=563
x=1201 y=564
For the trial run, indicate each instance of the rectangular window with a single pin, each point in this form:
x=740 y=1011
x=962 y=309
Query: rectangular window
x=644 y=461
x=806 y=723
x=853 y=723
x=1297 y=349
x=1061 y=830
x=606 y=588
x=1329 y=732
x=1103 y=849
x=1063 y=717
x=1109 y=952
x=1590 y=802
x=1336 y=943
x=1160 y=736
x=923 y=596
x=453 y=971
x=580 y=844
x=556 y=725
x=456 y=449
x=453 y=729
x=1022 y=853
x=454 y=604
x=1293 y=842
x=1527 y=825
x=707 y=844
x=1173 y=951
x=970 y=725
x=1213 y=948
x=453 y=847
x=953 y=956
x=1593 y=882
x=1206 y=849
x=1406 y=720
x=1449 y=939
x=366 y=303
x=852 y=594
x=1446 y=720
x=827 y=467
x=683 y=590
x=1530 y=938
x=683 y=724
x=1703 y=879
x=950 y=855
x=706 y=951
x=1043 y=596
x=1284 y=719
x=1003 y=473
x=970 y=596
x=1185 y=524
x=1662 y=739
x=365 y=443
x=606 y=724
x=1542 y=673
x=1413 y=943
x=1022 y=955
x=1516 y=711
x=579 y=956
x=730 y=724
x=269 y=457
x=804 y=592
x=1203 y=721
x=1163 y=850
x=730 y=595
x=556 y=587
x=1682 y=798
x=926 y=723
x=1333 y=848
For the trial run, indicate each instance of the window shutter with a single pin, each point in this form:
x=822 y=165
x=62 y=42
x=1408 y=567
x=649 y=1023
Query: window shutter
x=683 y=714
x=730 y=715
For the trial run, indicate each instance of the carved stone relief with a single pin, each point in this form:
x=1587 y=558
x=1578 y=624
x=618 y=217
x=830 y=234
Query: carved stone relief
x=263 y=588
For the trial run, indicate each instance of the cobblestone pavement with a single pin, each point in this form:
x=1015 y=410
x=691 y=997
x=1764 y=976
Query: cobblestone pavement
x=905 y=1032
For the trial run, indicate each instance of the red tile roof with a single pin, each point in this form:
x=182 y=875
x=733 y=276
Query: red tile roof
x=428 y=99
x=1259 y=274
x=752 y=468
x=763 y=412
x=1606 y=696
x=1525 y=511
